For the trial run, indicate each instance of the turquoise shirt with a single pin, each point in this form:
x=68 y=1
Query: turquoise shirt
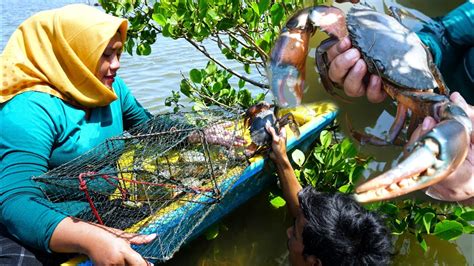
x=40 y=132
x=452 y=46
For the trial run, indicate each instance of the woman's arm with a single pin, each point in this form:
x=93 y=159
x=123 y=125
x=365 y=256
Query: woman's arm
x=29 y=131
x=103 y=245
x=26 y=139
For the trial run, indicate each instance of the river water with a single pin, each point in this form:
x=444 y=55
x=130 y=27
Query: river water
x=255 y=233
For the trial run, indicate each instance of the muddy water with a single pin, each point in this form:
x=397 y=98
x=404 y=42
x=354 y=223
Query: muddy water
x=255 y=234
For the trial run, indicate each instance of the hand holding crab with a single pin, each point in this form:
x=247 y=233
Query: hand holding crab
x=260 y=117
x=348 y=69
x=402 y=66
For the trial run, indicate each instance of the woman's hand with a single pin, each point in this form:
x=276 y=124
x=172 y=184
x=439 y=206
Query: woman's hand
x=219 y=135
x=102 y=244
x=458 y=186
x=348 y=69
x=112 y=247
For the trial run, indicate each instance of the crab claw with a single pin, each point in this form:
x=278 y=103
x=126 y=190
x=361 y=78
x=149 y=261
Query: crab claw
x=288 y=57
x=434 y=157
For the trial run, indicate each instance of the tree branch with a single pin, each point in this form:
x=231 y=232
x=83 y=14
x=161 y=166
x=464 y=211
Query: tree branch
x=231 y=34
x=241 y=58
x=262 y=53
x=203 y=95
x=203 y=51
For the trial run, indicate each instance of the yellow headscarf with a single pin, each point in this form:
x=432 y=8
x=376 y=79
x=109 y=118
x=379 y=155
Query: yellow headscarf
x=57 y=52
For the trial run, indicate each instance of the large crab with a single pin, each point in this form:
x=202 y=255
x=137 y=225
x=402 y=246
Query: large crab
x=409 y=76
x=256 y=119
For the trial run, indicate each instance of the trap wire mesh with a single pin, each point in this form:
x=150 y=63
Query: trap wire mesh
x=161 y=177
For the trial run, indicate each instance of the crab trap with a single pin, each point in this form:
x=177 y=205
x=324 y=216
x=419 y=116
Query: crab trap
x=133 y=181
x=169 y=177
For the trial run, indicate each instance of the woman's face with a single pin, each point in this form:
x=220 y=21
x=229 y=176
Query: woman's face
x=109 y=62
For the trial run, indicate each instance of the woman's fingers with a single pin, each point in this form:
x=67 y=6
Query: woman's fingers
x=428 y=124
x=458 y=186
x=348 y=69
x=133 y=238
x=134 y=258
x=461 y=102
x=121 y=252
x=225 y=140
x=218 y=134
x=272 y=132
x=278 y=151
x=283 y=133
x=457 y=99
x=276 y=137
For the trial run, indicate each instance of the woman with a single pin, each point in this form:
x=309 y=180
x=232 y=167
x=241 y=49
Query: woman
x=60 y=97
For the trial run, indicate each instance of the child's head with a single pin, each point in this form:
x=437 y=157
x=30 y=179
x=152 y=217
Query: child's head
x=333 y=229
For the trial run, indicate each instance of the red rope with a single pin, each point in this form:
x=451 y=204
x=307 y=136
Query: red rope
x=123 y=191
x=83 y=188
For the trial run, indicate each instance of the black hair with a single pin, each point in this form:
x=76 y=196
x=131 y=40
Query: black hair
x=339 y=231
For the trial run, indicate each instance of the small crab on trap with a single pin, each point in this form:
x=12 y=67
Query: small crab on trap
x=161 y=177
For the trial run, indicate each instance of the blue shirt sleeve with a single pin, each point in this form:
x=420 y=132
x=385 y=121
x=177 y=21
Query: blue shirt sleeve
x=28 y=132
x=39 y=132
x=453 y=48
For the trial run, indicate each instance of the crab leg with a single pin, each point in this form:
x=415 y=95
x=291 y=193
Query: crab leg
x=435 y=156
x=289 y=119
x=322 y=62
x=393 y=133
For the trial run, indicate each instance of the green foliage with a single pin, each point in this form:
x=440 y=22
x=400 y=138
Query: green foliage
x=141 y=33
x=241 y=30
x=276 y=200
x=332 y=166
x=212 y=232
x=173 y=100
x=447 y=221
x=210 y=86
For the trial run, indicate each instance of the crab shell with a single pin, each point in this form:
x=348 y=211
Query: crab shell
x=258 y=133
x=399 y=56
